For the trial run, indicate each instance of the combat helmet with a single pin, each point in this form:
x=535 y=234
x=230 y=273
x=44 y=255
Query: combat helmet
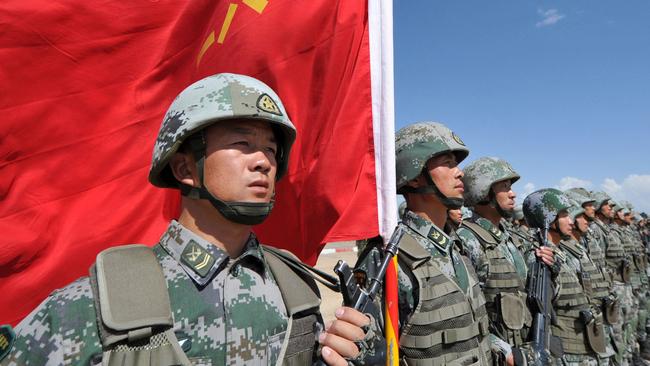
x=211 y=100
x=479 y=177
x=414 y=146
x=542 y=207
x=600 y=198
x=580 y=195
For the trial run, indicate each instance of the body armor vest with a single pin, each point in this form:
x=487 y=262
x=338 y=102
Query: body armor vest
x=631 y=251
x=504 y=290
x=447 y=326
x=599 y=283
x=570 y=302
x=614 y=253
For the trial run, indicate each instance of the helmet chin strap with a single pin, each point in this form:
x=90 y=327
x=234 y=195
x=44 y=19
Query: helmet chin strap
x=506 y=214
x=451 y=203
x=246 y=213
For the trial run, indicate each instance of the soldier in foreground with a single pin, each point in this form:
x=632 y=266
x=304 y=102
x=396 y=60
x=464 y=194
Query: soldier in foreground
x=497 y=254
x=442 y=312
x=576 y=322
x=208 y=293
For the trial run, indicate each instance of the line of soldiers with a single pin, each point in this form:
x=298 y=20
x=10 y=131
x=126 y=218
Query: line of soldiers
x=210 y=294
x=465 y=276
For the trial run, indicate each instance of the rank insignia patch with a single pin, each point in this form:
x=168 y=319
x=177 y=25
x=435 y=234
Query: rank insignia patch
x=197 y=258
x=7 y=337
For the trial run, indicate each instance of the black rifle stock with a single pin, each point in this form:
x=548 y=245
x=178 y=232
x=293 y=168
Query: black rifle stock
x=540 y=293
x=360 y=298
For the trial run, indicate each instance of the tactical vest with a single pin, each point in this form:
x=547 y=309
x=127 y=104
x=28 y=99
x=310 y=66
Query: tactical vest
x=135 y=319
x=595 y=250
x=631 y=251
x=592 y=278
x=447 y=326
x=504 y=290
x=570 y=324
x=614 y=254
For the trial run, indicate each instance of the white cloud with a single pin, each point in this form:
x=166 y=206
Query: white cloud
x=527 y=189
x=573 y=182
x=634 y=188
x=549 y=17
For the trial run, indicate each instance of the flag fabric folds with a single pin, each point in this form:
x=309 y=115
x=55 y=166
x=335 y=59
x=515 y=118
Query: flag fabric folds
x=86 y=85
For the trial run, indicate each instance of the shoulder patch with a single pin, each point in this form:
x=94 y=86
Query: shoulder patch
x=197 y=258
x=438 y=236
x=7 y=337
x=267 y=104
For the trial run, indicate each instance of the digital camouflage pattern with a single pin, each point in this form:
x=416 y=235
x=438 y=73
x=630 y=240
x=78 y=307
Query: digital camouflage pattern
x=542 y=207
x=419 y=142
x=215 y=98
x=214 y=308
x=443 y=249
x=580 y=195
x=600 y=198
x=481 y=174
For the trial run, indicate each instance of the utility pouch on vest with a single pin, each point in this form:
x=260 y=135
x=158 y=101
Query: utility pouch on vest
x=595 y=331
x=513 y=311
x=132 y=304
x=626 y=270
x=611 y=310
x=469 y=360
x=585 y=281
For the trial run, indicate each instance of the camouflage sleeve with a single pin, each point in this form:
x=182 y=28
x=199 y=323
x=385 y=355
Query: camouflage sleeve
x=474 y=251
x=61 y=330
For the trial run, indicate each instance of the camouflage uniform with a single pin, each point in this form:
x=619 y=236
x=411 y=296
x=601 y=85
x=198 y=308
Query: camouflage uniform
x=615 y=259
x=573 y=312
x=498 y=261
x=211 y=305
x=456 y=271
x=442 y=316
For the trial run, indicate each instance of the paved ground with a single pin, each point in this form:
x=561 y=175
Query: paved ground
x=326 y=262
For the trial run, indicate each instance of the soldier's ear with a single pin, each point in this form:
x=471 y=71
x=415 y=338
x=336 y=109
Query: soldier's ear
x=416 y=182
x=184 y=169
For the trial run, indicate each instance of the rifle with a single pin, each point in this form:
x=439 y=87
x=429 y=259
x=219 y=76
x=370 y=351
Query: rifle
x=360 y=298
x=540 y=293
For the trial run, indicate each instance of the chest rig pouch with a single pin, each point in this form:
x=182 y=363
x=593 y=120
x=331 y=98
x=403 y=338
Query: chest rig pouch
x=504 y=290
x=447 y=326
x=133 y=312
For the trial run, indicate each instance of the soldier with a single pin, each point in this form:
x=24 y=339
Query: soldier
x=576 y=322
x=496 y=254
x=618 y=266
x=454 y=219
x=595 y=282
x=442 y=313
x=208 y=293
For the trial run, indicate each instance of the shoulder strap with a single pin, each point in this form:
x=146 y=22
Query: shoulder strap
x=484 y=236
x=132 y=305
x=298 y=289
x=411 y=252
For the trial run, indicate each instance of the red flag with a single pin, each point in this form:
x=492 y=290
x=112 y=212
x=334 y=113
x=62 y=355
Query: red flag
x=86 y=85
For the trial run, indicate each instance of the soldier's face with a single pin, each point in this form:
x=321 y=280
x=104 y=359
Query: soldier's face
x=581 y=223
x=606 y=210
x=564 y=222
x=445 y=173
x=240 y=161
x=620 y=215
x=504 y=195
x=590 y=210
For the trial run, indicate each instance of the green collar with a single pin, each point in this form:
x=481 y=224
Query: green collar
x=428 y=230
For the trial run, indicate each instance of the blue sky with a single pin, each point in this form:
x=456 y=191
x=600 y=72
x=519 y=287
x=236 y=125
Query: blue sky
x=560 y=89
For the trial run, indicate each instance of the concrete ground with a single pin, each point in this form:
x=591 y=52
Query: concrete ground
x=326 y=262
